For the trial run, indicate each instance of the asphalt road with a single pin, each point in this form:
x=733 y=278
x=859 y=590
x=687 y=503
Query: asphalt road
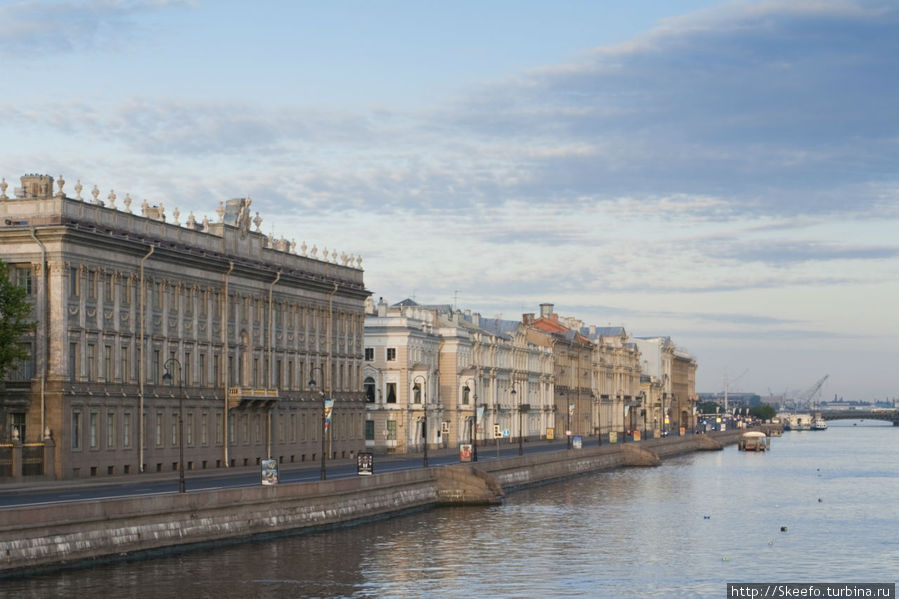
x=30 y=493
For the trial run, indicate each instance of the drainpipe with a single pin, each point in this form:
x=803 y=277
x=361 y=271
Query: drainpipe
x=271 y=364
x=46 y=336
x=140 y=370
x=327 y=378
x=225 y=359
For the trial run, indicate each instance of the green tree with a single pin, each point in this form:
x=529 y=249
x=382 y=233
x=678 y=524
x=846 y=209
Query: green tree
x=15 y=322
x=707 y=407
x=763 y=411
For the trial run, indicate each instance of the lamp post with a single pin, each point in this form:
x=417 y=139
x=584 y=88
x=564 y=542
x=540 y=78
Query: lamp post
x=168 y=376
x=520 y=431
x=323 y=474
x=424 y=421
x=474 y=438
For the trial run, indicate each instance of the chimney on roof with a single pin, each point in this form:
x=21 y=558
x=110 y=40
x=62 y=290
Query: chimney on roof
x=476 y=319
x=546 y=310
x=528 y=319
x=382 y=307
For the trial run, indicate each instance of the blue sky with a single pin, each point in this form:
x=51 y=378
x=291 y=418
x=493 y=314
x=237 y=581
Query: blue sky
x=721 y=172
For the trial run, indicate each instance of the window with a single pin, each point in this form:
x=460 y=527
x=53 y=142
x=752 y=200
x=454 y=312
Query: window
x=190 y=428
x=91 y=360
x=92 y=284
x=369 y=430
x=391 y=354
x=369 y=389
x=93 y=429
x=391 y=430
x=110 y=288
x=23 y=369
x=416 y=393
x=465 y=394
x=174 y=430
x=110 y=430
x=204 y=425
x=218 y=428
x=154 y=373
x=124 y=374
x=202 y=373
x=23 y=279
x=73 y=361
x=369 y=354
x=159 y=424
x=126 y=429
x=391 y=392
x=76 y=430
x=107 y=363
x=73 y=282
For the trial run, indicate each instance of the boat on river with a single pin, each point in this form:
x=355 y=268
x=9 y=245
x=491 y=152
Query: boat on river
x=754 y=441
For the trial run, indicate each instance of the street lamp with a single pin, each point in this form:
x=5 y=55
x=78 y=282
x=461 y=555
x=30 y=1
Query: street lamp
x=168 y=376
x=424 y=422
x=323 y=474
x=474 y=435
x=520 y=432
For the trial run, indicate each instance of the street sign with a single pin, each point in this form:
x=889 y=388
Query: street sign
x=365 y=464
x=465 y=452
x=269 y=472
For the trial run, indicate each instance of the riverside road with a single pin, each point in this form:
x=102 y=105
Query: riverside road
x=48 y=492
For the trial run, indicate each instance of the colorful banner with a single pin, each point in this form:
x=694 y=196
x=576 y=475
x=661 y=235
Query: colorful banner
x=329 y=406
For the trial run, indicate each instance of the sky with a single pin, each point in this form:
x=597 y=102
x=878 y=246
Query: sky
x=723 y=173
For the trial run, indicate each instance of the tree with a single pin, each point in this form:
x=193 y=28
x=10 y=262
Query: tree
x=707 y=407
x=764 y=411
x=14 y=321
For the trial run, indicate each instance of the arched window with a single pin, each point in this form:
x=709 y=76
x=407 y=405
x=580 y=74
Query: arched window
x=369 y=386
x=465 y=393
x=416 y=393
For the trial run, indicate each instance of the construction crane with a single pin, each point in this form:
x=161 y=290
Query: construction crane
x=805 y=399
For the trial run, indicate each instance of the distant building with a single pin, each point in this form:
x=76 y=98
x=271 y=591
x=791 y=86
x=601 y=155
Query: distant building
x=670 y=384
x=139 y=317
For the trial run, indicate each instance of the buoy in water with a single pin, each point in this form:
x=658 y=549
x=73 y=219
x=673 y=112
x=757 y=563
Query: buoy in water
x=783 y=529
x=725 y=559
x=706 y=517
x=820 y=500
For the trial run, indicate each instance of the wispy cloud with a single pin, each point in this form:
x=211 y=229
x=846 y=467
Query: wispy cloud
x=34 y=28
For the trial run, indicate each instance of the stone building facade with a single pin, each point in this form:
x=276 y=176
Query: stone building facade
x=144 y=322
x=669 y=381
x=466 y=368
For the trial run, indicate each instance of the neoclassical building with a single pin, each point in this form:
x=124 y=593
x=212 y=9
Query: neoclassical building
x=457 y=372
x=143 y=322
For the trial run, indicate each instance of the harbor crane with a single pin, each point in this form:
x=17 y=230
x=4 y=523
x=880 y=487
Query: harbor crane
x=805 y=400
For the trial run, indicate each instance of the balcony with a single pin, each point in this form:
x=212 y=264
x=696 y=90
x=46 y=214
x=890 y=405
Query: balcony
x=248 y=397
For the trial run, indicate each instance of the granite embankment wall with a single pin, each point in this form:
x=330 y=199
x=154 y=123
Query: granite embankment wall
x=74 y=533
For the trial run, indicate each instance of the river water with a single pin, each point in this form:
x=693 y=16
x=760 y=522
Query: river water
x=683 y=529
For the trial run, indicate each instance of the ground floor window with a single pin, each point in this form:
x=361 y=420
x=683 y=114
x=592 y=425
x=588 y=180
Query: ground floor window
x=369 y=430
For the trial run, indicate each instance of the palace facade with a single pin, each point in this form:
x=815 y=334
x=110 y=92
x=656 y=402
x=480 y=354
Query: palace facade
x=144 y=322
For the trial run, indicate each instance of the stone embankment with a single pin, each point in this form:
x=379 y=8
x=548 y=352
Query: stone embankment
x=48 y=536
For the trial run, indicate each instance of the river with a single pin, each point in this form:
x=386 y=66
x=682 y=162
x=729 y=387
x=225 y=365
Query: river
x=683 y=529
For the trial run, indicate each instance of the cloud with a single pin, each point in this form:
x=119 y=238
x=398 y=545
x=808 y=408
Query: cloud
x=35 y=28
